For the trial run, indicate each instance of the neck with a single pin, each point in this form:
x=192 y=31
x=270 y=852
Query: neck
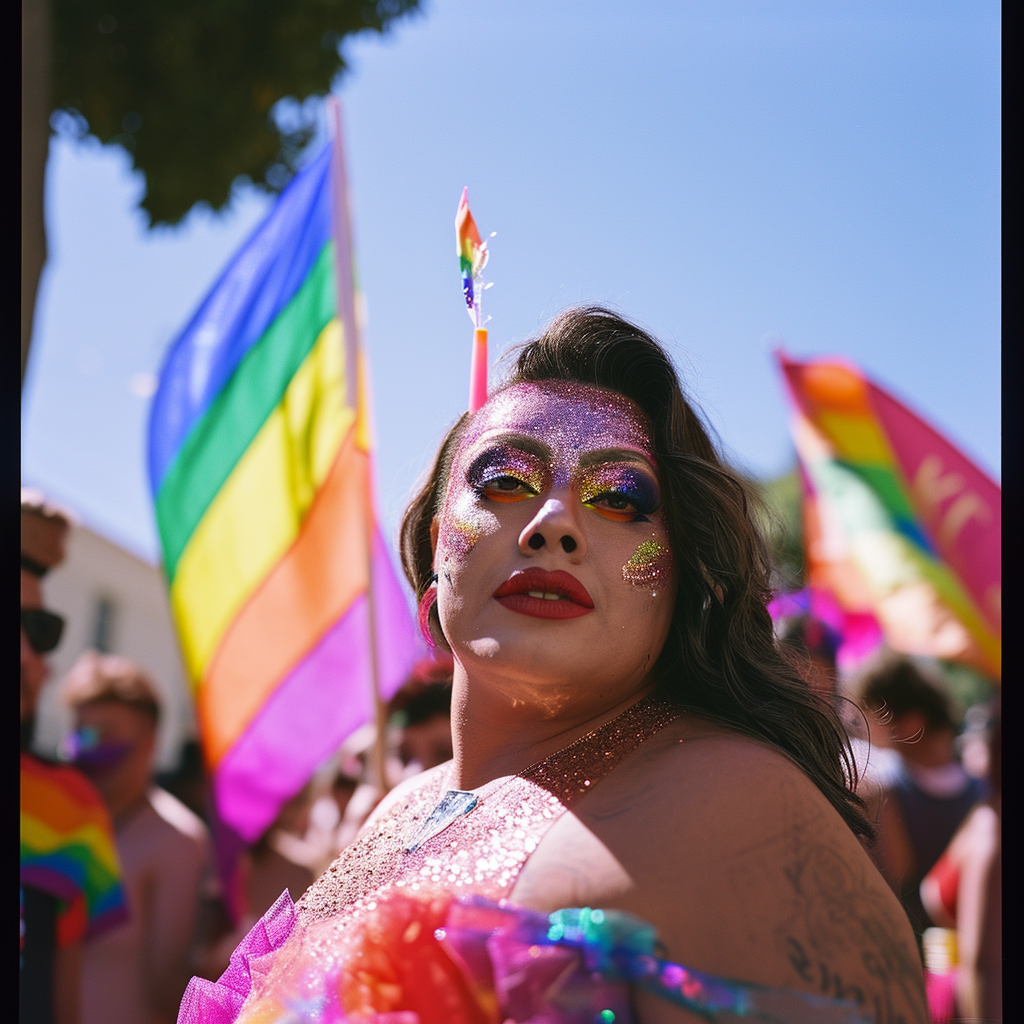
x=124 y=804
x=499 y=729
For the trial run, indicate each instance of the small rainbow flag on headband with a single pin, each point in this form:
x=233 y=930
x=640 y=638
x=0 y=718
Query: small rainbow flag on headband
x=67 y=849
x=260 y=468
x=473 y=256
x=898 y=523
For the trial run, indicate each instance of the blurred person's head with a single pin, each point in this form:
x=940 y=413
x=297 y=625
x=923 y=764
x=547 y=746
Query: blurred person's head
x=44 y=530
x=912 y=706
x=343 y=786
x=810 y=645
x=422 y=708
x=116 y=716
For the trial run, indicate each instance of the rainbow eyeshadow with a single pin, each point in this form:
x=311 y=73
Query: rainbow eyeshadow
x=620 y=480
x=507 y=462
x=649 y=565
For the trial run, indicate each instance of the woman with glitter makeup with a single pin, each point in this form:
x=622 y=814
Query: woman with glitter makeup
x=628 y=740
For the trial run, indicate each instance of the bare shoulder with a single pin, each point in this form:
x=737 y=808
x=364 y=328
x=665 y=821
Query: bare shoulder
x=743 y=866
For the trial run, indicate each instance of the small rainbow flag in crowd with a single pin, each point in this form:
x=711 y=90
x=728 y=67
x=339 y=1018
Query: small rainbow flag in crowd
x=898 y=522
x=260 y=468
x=67 y=849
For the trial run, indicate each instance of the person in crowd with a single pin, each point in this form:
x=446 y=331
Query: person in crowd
x=929 y=794
x=627 y=738
x=136 y=975
x=963 y=892
x=70 y=874
x=422 y=712
x=278 y=860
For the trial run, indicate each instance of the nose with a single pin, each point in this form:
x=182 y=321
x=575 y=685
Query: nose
x=553 y=528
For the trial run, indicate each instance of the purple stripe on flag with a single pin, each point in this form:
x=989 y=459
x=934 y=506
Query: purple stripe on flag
x=55 y=882
x=324 y=699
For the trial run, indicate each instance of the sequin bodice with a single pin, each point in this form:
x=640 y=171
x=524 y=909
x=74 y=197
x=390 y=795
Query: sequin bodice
x=484 y=851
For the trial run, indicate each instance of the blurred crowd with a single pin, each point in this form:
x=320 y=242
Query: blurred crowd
x=930 y=778
x=120 y=897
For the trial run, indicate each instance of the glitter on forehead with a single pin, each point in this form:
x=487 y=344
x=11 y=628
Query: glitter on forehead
x=649 y=565
x=570 y=418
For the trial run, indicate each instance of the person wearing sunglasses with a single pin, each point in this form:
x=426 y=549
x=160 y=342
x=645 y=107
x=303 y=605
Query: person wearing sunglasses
x=70 y=874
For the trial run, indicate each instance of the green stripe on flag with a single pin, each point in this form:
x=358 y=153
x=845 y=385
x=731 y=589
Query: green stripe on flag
x=235 y=416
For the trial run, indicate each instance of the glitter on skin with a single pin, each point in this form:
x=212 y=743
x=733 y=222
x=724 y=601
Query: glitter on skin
x=626 y=481
x=649 y=565
x=464 y=527
x=600 y=420
x=506 y=461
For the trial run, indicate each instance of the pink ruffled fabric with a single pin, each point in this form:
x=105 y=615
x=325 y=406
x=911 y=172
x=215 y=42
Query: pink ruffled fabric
x=219 y=1002
x=434 y=959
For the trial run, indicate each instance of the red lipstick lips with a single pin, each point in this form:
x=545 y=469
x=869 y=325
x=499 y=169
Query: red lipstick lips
x=545 y=595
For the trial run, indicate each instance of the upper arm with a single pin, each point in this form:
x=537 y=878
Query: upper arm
x=974 y=903
x=748 y=872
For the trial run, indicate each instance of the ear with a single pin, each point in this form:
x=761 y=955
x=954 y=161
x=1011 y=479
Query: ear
x=435 y=528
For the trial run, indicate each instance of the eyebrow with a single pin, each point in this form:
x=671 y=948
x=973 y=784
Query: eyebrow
x=604 y=455
x=523 y=442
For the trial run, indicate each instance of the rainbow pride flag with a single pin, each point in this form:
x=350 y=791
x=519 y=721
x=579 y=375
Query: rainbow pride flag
x=67 y=849
x=898 y=522
x=260 y=469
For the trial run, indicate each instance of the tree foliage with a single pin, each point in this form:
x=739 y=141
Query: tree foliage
x=783 y=528
x=187 y=86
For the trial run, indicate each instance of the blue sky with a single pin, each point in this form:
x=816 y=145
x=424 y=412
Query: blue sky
x=733 y=175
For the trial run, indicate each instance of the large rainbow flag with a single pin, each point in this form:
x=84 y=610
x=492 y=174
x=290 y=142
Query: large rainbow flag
x=898 y=522
x=260 y=468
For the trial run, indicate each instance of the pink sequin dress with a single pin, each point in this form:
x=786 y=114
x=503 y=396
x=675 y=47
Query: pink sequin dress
x=410 y=924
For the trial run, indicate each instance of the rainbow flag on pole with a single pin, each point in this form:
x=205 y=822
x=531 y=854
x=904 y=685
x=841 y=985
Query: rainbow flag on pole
x=898 y=522
x=260 y=468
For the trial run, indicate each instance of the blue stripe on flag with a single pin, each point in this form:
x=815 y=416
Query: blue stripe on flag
x=257 y=284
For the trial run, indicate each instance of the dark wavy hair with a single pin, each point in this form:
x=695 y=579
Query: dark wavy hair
x=720 y=660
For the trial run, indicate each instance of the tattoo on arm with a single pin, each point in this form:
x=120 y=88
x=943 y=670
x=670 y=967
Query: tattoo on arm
x=836 y=912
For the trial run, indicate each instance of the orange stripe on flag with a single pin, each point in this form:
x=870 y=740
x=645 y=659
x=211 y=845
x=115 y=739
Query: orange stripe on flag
x=304 y=594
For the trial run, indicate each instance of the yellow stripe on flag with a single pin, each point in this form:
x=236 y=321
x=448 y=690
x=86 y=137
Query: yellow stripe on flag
x=258 y=512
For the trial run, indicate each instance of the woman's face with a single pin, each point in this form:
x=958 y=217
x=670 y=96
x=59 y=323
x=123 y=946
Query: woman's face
x=552 y=552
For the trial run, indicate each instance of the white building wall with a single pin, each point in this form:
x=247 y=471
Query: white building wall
x=97 y=572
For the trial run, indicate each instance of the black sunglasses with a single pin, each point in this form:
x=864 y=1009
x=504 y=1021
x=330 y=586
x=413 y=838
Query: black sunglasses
x=42 y=628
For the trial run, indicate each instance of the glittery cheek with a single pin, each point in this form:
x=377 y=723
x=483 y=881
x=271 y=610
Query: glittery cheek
x=650 y=566
x=463 y=523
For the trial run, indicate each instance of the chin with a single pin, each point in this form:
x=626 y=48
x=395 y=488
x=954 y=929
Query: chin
x=555 y=657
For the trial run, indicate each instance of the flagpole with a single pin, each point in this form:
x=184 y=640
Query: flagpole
x=354 y=368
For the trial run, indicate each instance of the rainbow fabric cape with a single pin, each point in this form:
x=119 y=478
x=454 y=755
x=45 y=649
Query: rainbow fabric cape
x=67 y=848
x=898 y=523
x=260 y=468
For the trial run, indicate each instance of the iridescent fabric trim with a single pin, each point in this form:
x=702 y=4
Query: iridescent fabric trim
x=430 y=959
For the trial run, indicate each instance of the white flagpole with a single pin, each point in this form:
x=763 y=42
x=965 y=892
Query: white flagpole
x=342 y=230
